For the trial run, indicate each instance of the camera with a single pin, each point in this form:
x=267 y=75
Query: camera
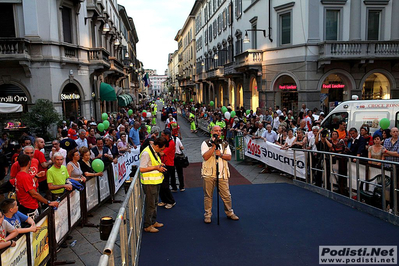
x=324 y=133
x=217 y=140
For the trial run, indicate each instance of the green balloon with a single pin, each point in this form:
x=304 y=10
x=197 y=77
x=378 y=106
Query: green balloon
x=100 y=127
x=211 y=103
x=224 y=109
x=233 y=113
x=384 y=123
x=104 y=116
x=130 y=112
x=192 y=108
x=191 y=100
x=248 y=112
x=106 y=124
x=97 y=165
x=184 y=102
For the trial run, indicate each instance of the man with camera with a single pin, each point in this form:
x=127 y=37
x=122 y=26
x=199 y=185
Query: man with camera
x=215 y=150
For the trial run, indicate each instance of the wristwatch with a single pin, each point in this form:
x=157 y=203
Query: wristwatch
x=48 y=202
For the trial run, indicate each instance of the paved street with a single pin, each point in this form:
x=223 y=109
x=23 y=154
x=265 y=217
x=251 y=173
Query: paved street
x=88 y=248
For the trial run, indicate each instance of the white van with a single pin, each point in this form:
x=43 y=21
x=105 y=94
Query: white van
x=359 y=112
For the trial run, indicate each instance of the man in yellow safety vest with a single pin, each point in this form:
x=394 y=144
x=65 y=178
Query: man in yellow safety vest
x=151 y=174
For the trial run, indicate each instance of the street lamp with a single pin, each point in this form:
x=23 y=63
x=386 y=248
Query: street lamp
x=246 y=39
x=116 y=43
x=106 y=28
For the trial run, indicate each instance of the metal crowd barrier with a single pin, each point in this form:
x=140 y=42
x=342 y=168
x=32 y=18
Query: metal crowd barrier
x=130 y=233
x=366 y=183
x=40 y=248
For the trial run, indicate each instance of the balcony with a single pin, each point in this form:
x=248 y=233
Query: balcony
x=359 y=50
x=230 y=71
x=249 y=60
x=94 y=6
x=100 y=57
x=14 y=48
x=116 y=65
x=216 y=73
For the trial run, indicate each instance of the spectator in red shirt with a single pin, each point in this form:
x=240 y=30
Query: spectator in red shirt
x=167 y=158
x=43 y=163
x=72 y=132
x=34 y=166
x=26 y=188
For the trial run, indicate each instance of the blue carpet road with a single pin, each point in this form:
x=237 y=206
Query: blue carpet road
x=280 y=224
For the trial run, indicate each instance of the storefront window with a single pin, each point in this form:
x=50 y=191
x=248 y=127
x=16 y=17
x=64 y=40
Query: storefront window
x=255 y=95
x=287 y=93
x=70 y=98
x=332 y=92
x=376 y=87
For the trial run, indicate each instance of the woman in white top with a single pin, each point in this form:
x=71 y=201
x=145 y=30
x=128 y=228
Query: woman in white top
x=179 y=168
x=289 y=140
x=73 y=167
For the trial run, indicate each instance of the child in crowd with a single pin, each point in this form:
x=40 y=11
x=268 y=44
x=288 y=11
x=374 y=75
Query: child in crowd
x=9 y=208
x=7 y=233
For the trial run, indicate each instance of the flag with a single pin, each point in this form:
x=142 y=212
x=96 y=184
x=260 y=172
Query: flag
x=146 y=80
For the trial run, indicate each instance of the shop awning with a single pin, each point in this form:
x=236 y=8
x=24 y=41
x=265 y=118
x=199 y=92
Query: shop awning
x=107 y=92
x=124 y=100
x=10 y=108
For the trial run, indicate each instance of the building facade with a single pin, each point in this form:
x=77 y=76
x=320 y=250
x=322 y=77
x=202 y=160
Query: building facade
x=65 y=51
x=263 y=53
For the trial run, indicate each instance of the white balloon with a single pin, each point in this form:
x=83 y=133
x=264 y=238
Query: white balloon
x=148 y=114
x=227 y=115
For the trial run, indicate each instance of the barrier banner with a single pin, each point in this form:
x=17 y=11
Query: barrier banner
x=123 y=168
x=91 y=193
x=40 y=245
x=104 y=186
x=272 y=155
x=61 y=220
x=17 y=255
x=74 y=200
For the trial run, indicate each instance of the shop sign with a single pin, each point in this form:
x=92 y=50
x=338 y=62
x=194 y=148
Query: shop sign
x=71 y=96
x=333 y=86
x=14 y=99
x=287 y=87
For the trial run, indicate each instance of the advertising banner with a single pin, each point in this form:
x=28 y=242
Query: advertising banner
x=74 y=200
x=40 y=246
x=17 y=255
x=104 y=186
x=123 y=168
x=272 y=155
x=91 y=193
x=61 y=220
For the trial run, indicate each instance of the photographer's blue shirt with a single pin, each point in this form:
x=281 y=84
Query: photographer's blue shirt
x=17 y=219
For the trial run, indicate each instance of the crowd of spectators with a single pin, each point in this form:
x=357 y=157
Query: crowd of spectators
x=302 y=130
x=39 y=176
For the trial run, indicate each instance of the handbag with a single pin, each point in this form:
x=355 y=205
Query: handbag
x=182 y=160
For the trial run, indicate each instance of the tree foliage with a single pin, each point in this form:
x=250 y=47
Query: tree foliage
x=40 y=117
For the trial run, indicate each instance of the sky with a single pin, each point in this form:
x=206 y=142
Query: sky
x=157 y=23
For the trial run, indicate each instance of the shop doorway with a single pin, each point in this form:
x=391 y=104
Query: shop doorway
x=254 y=95
x=334 y=90
x=70 y=98
x=232 y=97
x=376 y=87
x=286 y=93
